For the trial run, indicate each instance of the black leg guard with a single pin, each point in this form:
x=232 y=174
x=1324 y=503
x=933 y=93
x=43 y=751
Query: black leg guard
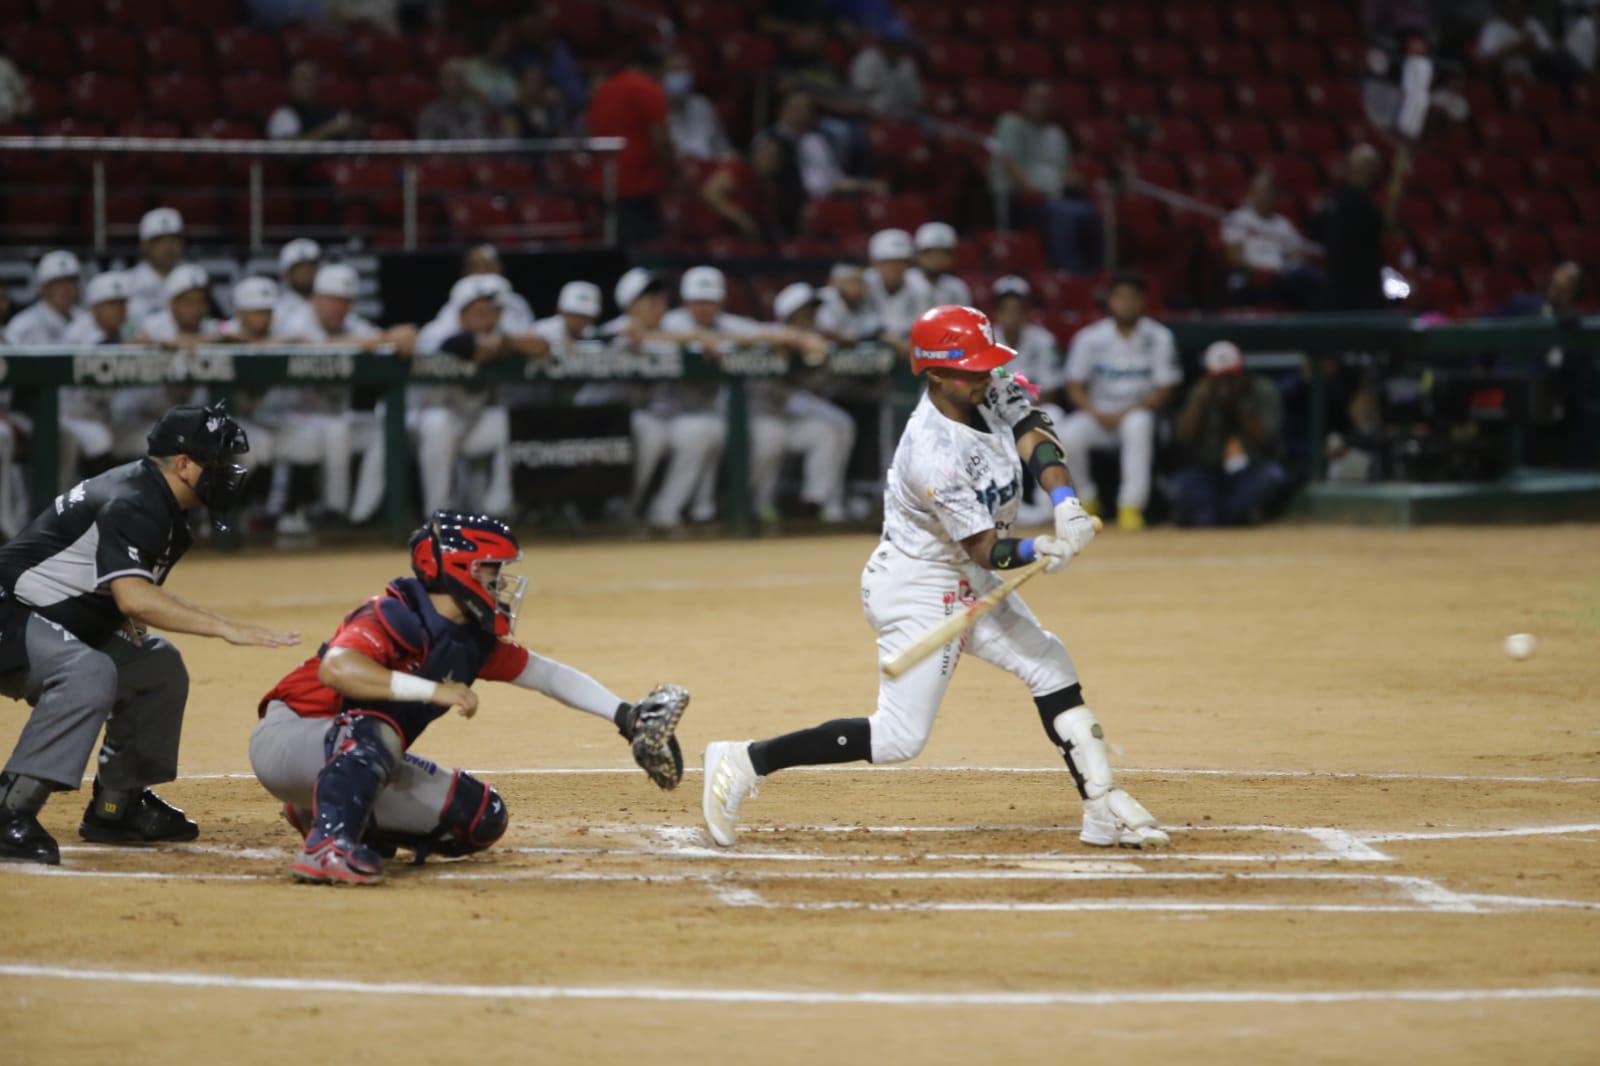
x=1052 y=705
x=362 y=751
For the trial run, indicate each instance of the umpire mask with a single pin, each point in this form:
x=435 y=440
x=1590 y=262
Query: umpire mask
x=210 y=437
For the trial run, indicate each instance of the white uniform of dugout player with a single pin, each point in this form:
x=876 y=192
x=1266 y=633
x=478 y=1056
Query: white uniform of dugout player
x=821 y=433
x=897 y=294
x=936 y=253
x=951 y=499
x=160 y=251
x=1120 y=372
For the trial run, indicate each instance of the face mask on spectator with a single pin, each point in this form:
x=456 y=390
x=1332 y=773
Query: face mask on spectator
x=678 y=82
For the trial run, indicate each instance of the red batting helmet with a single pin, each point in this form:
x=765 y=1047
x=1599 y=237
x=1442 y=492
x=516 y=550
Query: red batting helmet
x=452 y=553
x=956 y=337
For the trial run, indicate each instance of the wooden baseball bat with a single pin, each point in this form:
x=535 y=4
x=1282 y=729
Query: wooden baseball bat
x=951 y=628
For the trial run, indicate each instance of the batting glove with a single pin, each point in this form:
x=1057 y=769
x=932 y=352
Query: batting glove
x=1073 y=524
x=1055 y=552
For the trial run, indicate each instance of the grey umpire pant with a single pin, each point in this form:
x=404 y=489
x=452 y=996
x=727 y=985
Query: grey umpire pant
x=137 y=692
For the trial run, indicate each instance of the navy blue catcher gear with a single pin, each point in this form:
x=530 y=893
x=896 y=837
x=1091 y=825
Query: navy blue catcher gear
x=361 y=752
x=474 y=817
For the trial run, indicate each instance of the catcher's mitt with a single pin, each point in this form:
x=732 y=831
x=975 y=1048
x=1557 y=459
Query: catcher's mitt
x=648 y=725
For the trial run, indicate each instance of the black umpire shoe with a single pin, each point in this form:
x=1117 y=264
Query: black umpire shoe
x=23 y=839
x=148 y=819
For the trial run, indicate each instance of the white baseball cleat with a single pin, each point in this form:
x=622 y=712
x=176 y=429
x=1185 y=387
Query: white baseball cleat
x=729 y=779
x=1118 y=820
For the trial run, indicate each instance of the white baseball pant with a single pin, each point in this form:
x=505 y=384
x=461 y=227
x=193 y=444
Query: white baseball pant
x=692 y=444
x=821 y=433
x=1134 y=438
x=442 y=435
x=325 y=440
x=903 y=598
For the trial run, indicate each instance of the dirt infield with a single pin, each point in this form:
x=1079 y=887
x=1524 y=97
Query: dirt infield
x=1387 y=834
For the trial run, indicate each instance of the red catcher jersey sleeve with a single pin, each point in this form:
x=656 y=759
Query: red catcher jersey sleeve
x=506 y=664
x=365 y=632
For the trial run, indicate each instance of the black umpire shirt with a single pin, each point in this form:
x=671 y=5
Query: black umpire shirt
x=122 y=523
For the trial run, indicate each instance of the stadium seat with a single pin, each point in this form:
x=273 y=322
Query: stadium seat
x=831 y=217
x=1295 y=59
x=1056 y=22
x=40 y=50
x=714 y=17
x=200 y=210
x=172 y=50
x=246 y=51
x=67 y=12
x=1433 y=170
x=503 y=174
x=1259 y=21
x=1316 y=136
x=1182 y=136
x=1202 y=100
x=1128 y=98
x=1435 y=290
x=1534 y=98
x=42 y=216
x=1494 y=170
x=1519 y=245
x=1450 y=249
x=1510 y=133
x=1063 y=292
x=181 y=96
x=1072 y=100
x=323 y=47
x=210 y=15
x=1160 y=59
x=549 y=218
x=1191 y=22
x=441 y=175
x=1216 y=172
x=478 y=216
x=1572 y=132
x=1129 y=21
x=1013 y=253
x=436 y=46
x=987 y=99
x=748 y=54
x=905 y=211
x=1097 y=136
x=1265 y=98
x=1561 y=171
x=141 y=15
x=1325 y=21
x=383 y=53
x=1227 y=59
x=1542 y=208
x=228 y=129
x=1158 y=169
x=1470 y=207
x=929 y=22
x=1022 y=59
x=1579 y=243
x=109 y=51
x=992 y=21
x=351 y=176
x=252 y=96
x=954 y=58
x=102 y=98
x=1489 y=287
x=1247 y=135
x=1296 y=174
x=1418 y=213
x=344 y=94
x=400 y=97
x=1092 y=60
x=1334 y=98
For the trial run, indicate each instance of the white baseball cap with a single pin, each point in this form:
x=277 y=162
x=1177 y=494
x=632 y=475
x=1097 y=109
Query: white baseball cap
x=1224 y=357
x=473 y=287
x=53 y=266
x=255 y=294
x=300 y=250
x=703 y=283
x=336 y=279
x=634 y=284
x=107 y=286
x=184 y=278
x=842 y=271
x=889 y=244
x=931 y=235
x=579 y=298
x=1011 y=285
x=160 y=222
x=791 y=299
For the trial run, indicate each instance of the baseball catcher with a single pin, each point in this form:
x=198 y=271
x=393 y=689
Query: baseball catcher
x=334 y=738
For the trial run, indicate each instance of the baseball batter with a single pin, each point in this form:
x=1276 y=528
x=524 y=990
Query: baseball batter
x=334 y=738
x=949 y=504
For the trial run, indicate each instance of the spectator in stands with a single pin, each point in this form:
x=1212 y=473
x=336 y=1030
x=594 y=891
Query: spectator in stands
x=537 y=46
x=1265 y=252
x=800 y=422
x=804 y=67
x=107 y=320
x=305 y=117
x=936 y=255
x=631 y=104
x=187 y=316
x=516 y=317
x=456 y=114
x=1559 y=299
x=1515 y=42
x=1564 y=381
x=1121 y=372
x=298 y=263
x=885 y=73
x=898 y=296
x=1230 y=432
x=1032 y=173
x=538 y=111
x=16 y=103
x=1353 y=227
x=488 y=73
x=844 y=311
x=691 y=118
x=729 y=189
x=46 y=321
x=160 y=250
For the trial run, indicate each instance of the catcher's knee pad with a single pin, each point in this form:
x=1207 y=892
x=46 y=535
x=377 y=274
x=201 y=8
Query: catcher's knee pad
x=362 y=751
x=474 y=817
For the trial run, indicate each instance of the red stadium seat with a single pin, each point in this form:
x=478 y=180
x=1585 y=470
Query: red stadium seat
x=929 y=22
x=179 y=51
x=580 y=22
x=40 y=50
x=748 y=54
x=894 y=141
x=1510 y=133
x=1201 y=100
x=227 y=129
x=1326 y=21
x=436 y=46
x=1129 y=21
x=103 y=99
x=1015 y=253
x=1318 y=136
x=713 y=17
x=1130 y=98
x=1540 y=207
x=953 y=57
x=1489 y=287
x=73 y=13
x=1097 y=136
x=906 y=211
x=181 y=96
x=1561 y=171
x=1578 y=243
x=549 y=218
x=42 y=216
x=1572 y=132
x=1494 y=171
x=200 y=210
x=325 y=48
x=1259 y=22
x=441 y=175
x=1518 y=246
x=1216 y=172
x=1435 y=290
x=832 y=217
x=383 y=53
x=1092 y=60
x=253 y=96
x=1417 y=212
x=479 y=216
x=1072 y=99
x=988 y=99
x=1227 y=59
x=1266 y=98
x=1587 y=201
x=1449 y=249
x=1181 y=135
x=1057 y=292
x=1191 y=22
x=1534 y=98
x=993 y=21
x=364 y=175
x=1024 y=59
x=1294 y=59
x=504 y=175
x=400 y=97
x=1296 y=174
x=1056 y=22
x=245 y=51
x=108 y=51
x=343 y=94
x=1433 y=170
x=1247 y=135
x=1158 y=169
x=164 y=129
x=210 y=15
x=1334 y=99
x=1160 y=59
x=142 y=15
x=1470 y=207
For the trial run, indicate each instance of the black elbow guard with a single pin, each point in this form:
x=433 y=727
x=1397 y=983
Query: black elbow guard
x=1034 y=420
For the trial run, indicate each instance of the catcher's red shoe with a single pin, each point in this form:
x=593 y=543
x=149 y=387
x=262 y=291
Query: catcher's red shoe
x=337 y=861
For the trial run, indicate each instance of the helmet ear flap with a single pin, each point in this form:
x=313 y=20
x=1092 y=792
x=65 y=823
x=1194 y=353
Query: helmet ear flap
x=427 y=555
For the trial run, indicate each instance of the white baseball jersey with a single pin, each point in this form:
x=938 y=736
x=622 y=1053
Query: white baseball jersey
x=898 y=310
x=950 y=481
x=554 y=331
x=1038 y=357
x=304 y=325
x=147 y=291
x=290 y=305
x=39 y=323
x=839 y=319
x=1122 y=371
x=85 y=330
x=161 y=326
x=945 y=289
x=670 y=398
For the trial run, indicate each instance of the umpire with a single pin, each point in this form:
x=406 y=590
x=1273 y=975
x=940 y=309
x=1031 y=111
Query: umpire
x=77 y=588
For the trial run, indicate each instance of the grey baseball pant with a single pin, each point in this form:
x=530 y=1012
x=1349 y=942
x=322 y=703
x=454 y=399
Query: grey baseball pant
x=137 y=691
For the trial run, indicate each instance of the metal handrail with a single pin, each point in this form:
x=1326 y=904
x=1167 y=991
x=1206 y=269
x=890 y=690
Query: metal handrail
x=608 y=148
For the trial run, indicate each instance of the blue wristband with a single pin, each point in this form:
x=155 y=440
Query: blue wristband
x=1025 y=550
x=1065 y=492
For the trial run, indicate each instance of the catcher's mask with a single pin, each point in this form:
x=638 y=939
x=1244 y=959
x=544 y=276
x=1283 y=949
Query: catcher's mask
x=210 y=437
x=466 y=557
